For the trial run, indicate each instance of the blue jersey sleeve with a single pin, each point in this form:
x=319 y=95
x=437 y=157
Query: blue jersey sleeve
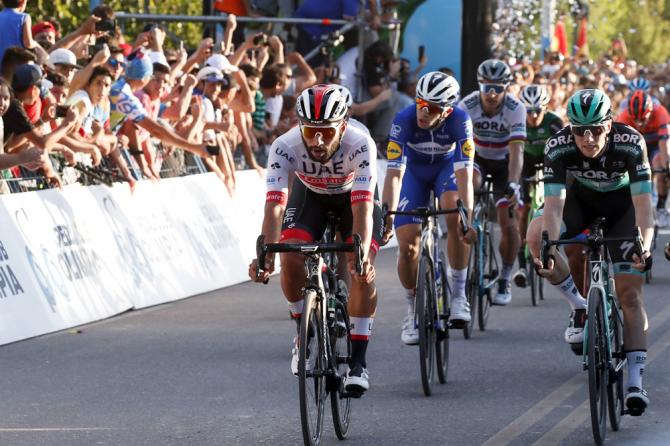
x=401 y=131
x=461 y=129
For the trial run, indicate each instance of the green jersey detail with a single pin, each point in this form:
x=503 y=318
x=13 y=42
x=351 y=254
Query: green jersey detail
x=536 y=137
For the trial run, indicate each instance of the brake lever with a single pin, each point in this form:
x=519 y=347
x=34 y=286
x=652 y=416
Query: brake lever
x=544 y=249
x=260 y=257
x=464 y=216
x=358 y=250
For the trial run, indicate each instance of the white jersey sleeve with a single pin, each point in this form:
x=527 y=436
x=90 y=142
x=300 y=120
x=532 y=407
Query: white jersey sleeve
x=281 y=162
x=362 y=161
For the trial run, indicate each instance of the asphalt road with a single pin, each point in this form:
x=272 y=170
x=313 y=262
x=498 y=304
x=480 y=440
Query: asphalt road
x=214 y=370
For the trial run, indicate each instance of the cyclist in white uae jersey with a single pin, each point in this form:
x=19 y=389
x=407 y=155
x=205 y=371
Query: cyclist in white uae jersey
x=499 y=126
x=335 y=167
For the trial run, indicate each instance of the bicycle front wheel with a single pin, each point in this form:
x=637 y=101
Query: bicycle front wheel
x=533 y=280
x=426 y=311
x=312 y=368
x=442 y=332
x=341 y=352
x=597 y=363
x=615 y=393
x=472 y=287
x=489 y=264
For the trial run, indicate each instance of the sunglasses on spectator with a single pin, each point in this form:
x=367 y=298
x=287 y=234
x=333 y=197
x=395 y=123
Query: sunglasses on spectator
x=310 y=131
x=495 y=88
x=433 y=108
x=116 y=63
x=580 y=130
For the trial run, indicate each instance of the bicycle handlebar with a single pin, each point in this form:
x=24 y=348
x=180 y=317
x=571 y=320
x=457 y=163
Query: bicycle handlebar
x=262 y=249
x=593 y=240
x=425 y=213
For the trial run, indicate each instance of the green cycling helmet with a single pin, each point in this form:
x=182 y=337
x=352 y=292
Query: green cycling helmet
x=589 y=107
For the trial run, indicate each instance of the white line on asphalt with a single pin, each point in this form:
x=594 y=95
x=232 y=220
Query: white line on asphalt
x=517 y=427
x=53 y=429
x=578 y=416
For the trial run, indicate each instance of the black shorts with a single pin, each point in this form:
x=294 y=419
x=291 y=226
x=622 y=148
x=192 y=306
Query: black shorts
x=529 y=169
x=306 y=215
x=499 y=171
x=584 y=206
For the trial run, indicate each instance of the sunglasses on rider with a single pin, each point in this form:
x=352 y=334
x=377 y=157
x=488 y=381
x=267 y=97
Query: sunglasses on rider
x=580 y=130
x=492 y=88
x=433 y=108
x=310 y=132
x=534 y=111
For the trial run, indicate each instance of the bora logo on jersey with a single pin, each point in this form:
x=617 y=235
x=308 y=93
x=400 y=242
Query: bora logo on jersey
x=393 y=150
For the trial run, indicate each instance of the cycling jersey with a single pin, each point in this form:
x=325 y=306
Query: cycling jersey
x=492 y=134
x=124 y=104
x=654 y=130
x=428 y=158
x=353 y=167
x=452 y=140
x=537 y=136
x=623 y=163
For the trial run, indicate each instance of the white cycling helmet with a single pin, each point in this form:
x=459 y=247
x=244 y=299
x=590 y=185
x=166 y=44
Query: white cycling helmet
x=534 y=96
x=321 y=104
x=344 y=91
x=439 y=88
x=495 y=71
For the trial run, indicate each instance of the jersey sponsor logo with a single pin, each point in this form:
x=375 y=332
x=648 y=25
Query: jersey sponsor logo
x=548 y=170
x=625 y=138
x=272 y=180
x=364 y=164
x=468 y=148
x=360 y=196
x=361 y=149
x=597 y=175
x=395 y=131
x=559 y=140
x=362 y=179
x=275 y=166
x=393 y=150
x=327 y=182
x=289 y=214
x=404 y=201
x=284 y=155
x=643 y=166
x=276 y=197
x=490 y=125
x=317 y=169
x=625 y=248
x=467 y=126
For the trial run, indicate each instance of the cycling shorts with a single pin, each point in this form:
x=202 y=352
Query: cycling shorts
x=499 y=171
x=417 y=182
x=306 y=215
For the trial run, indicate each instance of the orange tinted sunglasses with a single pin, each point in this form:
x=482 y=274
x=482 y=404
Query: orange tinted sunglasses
x=310 y=132
x=433 y=108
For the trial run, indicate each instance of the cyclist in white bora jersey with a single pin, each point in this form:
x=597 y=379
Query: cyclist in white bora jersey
x=499 y=121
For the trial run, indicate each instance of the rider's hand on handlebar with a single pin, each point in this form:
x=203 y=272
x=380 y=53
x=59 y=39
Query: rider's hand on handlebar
x=469 y=237
x=368 y=274
x=545 y=270
x=263 y=276
x=388 y=230
x=642 y=264
x=513 y=193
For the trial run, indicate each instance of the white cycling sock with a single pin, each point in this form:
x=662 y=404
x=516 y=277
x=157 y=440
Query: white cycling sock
x=636 y=361
x=295 y=308
x=569 y=290
x=506 y=272
x=410 y=296
x=457 y=280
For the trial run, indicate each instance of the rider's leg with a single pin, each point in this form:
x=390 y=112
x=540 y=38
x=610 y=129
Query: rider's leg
x=362 y=307
x=292 y=279
x=457 y=250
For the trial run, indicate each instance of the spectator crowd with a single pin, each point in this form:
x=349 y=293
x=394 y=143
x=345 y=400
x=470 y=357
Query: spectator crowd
x=95 y=106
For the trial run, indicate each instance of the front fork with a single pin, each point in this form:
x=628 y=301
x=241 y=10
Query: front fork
x=600 y=278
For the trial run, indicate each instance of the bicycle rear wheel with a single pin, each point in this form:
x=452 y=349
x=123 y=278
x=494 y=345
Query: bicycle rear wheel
x=426 y=312
x=442 y=336
x=472 y=287
x=341 y=352
x=597 y=364
x=532 y=278
x=615 y=393
x=312 y=368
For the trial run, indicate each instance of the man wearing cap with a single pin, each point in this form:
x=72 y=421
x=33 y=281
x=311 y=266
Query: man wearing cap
x=126 y=106
x=45 y=34
x=63 y=61
x=24 y=112
x=210 y=83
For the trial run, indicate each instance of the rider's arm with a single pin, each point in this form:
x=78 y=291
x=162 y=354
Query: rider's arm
x=397 y=159
x=464 y=159
x=639 y=173
x=663 y=130
x=554 y=190
x=517 y=140
x=280 y=165
x=364 y=166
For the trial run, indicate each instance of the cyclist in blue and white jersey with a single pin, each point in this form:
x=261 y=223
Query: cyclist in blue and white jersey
x=430 y=148
x=499 y=121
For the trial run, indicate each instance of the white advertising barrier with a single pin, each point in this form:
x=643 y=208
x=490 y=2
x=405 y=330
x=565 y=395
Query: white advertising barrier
x=87 y=253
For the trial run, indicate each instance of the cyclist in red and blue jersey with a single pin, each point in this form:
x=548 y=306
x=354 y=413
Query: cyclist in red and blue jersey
x=430 y=148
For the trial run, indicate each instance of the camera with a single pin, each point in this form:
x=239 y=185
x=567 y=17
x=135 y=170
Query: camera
x=107 y=25
x=61 y=111
x=261 y=39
